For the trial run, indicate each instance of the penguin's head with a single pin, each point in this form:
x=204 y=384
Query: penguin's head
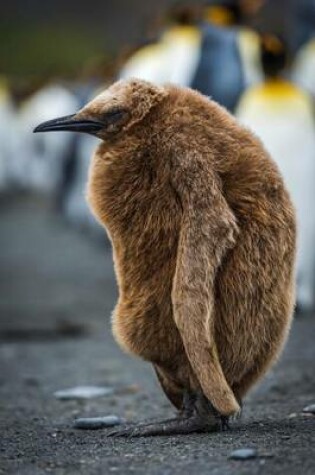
x=113 y=112
x=274 y=55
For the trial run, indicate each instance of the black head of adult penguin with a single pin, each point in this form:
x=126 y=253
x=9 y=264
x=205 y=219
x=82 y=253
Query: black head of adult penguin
x=274 y=55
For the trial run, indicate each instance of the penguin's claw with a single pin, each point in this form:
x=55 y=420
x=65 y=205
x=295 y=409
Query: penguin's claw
x=176 y=426
x=225 y=423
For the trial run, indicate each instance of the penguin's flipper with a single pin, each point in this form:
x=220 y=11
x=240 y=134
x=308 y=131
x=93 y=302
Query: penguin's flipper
x=207 y=231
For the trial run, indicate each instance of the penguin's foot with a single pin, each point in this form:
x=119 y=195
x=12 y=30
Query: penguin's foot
x=197 y=415
x=225 y=423
x=175 y=426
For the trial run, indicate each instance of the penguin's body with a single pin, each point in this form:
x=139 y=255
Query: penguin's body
x=249 y=48
x=203 y=233
x=219 y=73
x=282 y=116
x=229 y=56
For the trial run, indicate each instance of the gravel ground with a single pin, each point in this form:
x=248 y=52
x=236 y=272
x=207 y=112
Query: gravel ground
x=57 y=292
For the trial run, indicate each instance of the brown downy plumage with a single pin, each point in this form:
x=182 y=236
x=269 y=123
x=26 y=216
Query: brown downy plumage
x=203 y=234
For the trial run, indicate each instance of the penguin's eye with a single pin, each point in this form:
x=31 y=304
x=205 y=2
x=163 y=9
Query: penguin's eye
x=114 y=115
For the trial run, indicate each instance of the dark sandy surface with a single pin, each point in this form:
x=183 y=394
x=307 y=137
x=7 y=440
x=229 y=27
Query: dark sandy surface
x=57 y=292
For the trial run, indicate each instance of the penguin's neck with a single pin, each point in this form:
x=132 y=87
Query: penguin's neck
x=278 y=87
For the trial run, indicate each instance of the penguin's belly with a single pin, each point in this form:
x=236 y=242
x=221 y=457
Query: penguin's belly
x=147 y=330
x=142 y=215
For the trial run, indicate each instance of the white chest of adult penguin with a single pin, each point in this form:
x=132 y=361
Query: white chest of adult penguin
x=282 y=115
x=203 y=233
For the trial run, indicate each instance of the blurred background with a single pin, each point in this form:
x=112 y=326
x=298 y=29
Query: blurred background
x=257 y=59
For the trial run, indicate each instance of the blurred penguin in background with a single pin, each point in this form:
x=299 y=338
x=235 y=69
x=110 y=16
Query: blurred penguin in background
x=144 y=61
x=35 y=164
x=282 y=115
x=173 y=55
x=48 y=156
x=302 y=27
x=229 y=58
x=303 y=70
x=15 y=147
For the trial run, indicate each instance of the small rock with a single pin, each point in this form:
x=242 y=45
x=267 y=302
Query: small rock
x=126 y=390
x=83 y=392
x=97 y=422
x=309 y=409
x=243 y=454
x=292 y=415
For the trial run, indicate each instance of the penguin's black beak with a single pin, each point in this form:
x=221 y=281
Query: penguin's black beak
x=72 y=124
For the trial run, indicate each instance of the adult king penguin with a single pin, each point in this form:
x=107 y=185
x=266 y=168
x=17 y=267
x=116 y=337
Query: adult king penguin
x=282 y=115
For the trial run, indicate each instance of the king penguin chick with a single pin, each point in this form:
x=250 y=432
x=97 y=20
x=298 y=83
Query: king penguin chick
x=203 y=235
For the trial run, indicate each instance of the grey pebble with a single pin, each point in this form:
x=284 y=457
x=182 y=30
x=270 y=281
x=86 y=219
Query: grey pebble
x=243 y=454
x=310 y=409
x=83 y=392
x=97 y=422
